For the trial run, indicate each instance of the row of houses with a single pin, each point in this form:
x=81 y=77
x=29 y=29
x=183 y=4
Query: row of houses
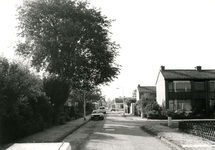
x=190 y=90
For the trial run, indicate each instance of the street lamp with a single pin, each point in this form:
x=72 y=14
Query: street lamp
x=123 y=101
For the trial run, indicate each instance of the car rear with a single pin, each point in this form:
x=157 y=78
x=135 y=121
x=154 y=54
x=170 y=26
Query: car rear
x=102 y=109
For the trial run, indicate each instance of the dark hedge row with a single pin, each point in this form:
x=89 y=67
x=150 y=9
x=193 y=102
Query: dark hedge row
x=24 y=107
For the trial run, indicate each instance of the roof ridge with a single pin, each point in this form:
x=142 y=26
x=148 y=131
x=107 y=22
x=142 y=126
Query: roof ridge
x=187 y=70
x=188 y=74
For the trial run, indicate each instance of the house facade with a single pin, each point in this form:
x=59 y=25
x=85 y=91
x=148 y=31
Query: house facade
x=118 y=102
x=145 y=91
x=187 y=90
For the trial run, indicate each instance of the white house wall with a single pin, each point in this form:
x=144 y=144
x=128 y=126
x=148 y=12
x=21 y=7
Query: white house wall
x=160 y=89
x=137 y=95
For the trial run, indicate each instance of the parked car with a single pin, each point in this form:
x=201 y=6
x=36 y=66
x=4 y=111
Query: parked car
x=97 y=115
x=114 y=109
x=102 y=109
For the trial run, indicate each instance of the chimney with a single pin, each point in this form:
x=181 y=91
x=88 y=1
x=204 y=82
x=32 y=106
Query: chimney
x=162 y=68
x=198 y=68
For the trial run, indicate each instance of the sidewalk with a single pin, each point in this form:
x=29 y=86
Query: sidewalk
x=55 y=134
x=172 y=135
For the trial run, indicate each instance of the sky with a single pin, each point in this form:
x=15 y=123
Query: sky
x=177 y=34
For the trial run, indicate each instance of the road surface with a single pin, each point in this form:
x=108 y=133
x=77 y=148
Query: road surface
x=115 y=132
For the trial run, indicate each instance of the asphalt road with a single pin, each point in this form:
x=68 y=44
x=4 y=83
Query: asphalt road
x=114 y=133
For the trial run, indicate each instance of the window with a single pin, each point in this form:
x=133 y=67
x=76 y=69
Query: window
x=170 y=86
x=212 y=86
x=199 y=107
x=183 y=105
x=180 y=86
x=199 y=86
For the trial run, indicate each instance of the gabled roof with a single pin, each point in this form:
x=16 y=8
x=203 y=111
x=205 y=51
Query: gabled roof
x=147 y=89
x=188 y=74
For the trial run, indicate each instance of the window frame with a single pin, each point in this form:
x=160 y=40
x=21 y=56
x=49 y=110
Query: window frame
x=172 y=86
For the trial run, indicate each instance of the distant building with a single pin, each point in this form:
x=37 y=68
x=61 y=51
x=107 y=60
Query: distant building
x=119 y=103
x=187 y=90
x=145 y=91
x=130 y=104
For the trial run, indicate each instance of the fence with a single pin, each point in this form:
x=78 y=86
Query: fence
x=202 y=128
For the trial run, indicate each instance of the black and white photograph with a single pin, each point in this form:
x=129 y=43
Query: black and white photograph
x=107 y=75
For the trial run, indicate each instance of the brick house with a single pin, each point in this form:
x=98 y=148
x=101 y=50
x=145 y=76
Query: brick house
x=187 y=90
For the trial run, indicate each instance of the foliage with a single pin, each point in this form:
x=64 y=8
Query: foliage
x=19 y=92
x=128 y=101
x=68 y=38
x=76 y=97
x=17 y=85
x=148 y=106
x=57 y=89
x=45 y=109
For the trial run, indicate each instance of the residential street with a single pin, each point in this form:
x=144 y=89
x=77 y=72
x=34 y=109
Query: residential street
x=114 y=132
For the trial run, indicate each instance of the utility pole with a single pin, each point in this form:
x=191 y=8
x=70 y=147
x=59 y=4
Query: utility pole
x=84 y=106
x=123 y=101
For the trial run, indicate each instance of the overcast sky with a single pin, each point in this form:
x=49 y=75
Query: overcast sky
x=176 y=34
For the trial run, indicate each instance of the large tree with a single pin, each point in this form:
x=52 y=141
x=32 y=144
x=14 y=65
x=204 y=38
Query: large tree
x=68 y=38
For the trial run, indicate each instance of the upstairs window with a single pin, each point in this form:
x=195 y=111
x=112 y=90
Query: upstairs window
x=199 y=86
x=212 y=86
x=171 y=87
x=179 y=86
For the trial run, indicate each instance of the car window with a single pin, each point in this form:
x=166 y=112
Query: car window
x=94 y=112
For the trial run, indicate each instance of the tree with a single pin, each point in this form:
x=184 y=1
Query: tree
x=67 y=38
x=57 y=89
x=77 y=95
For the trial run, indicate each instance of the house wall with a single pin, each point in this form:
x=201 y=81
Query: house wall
x=160 y=90
x=137 y=95
x=132 y=108
x=199 y=100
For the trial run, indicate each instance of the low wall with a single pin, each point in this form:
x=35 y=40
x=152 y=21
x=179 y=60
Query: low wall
x=203 y=128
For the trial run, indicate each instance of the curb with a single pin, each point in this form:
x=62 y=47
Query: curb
x=162 y=138
x=60 y=139
x=169 y=142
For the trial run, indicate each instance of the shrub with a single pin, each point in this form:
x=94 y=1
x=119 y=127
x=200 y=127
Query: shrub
x=148 y=106
x=155 y=115
x=20 y=112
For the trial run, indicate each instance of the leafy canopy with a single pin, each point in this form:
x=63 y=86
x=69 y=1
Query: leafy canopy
x=93 y=95
x=68 y=38
x=56 y=89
